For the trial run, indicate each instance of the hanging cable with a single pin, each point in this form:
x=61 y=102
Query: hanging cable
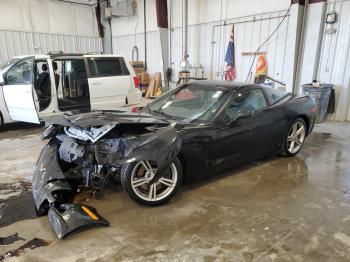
x=267 y=39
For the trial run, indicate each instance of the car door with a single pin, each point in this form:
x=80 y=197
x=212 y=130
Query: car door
x=109 y=82
x=19 y=94
x=244 y=136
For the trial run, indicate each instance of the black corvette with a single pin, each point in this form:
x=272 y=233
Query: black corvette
x=194 y=130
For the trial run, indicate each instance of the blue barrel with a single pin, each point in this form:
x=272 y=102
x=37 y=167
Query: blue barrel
x=321 y=95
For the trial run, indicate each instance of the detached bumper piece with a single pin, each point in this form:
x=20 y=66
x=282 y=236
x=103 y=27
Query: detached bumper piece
x=69 y=218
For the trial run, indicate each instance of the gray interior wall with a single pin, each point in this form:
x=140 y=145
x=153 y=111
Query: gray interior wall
x=335 y=58
x=39 y=26
x=208 y=39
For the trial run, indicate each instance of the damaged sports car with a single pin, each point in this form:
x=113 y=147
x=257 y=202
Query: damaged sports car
x=192 y=131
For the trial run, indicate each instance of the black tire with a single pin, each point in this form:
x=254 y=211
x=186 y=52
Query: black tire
x=284 y=145
x=126 y=182
x=42 y=211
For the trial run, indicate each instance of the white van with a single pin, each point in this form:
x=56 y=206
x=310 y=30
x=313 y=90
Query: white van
x=35 y=87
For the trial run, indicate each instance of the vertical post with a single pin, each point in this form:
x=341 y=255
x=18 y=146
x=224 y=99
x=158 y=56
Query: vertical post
x=184 y=29
x=163 y=28
x=300 y=41
x=320 y=40
x=145 y=31
x=184 y=73
x=105 y=28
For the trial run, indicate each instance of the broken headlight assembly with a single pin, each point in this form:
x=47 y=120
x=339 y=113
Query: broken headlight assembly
x=49 y=132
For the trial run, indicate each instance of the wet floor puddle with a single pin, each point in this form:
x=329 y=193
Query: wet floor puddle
x=16 y=202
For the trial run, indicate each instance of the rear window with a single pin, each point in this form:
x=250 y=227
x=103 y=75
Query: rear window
x=107 y=66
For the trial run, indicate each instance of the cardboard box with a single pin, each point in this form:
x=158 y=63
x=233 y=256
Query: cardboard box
x=138 y=66
x=144 y=78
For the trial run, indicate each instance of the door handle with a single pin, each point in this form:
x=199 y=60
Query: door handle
x=96 y=83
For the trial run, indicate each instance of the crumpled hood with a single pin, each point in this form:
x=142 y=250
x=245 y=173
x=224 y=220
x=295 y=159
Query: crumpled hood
x=100 y=118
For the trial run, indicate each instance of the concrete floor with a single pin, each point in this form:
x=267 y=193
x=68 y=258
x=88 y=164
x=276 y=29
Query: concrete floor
x=280 y=209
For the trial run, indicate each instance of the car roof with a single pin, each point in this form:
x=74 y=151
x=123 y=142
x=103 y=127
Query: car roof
x=220 y=83
x=46 y=56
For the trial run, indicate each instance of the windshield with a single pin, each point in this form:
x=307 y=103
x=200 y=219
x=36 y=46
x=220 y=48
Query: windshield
x=190 y=102
x=5 y=64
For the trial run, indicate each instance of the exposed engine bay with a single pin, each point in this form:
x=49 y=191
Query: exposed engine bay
x=84 y=155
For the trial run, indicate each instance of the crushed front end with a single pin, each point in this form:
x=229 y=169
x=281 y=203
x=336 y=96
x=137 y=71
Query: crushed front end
x=87 y=156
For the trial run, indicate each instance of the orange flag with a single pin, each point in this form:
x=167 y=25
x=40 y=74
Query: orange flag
x=261 y=66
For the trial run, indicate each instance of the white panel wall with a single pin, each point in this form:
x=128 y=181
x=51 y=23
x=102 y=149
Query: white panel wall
x=208 y=41
x=40 y=26
x=248 y=36
x=335 y=59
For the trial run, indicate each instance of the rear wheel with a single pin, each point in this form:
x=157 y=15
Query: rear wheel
x=295 y=138
x=137 y=180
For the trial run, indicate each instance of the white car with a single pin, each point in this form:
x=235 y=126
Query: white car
x=39 y=86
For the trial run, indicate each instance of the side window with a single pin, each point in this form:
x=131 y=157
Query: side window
x=107 y=66
x=20 y=74
x=275 y=95
x=253 y=99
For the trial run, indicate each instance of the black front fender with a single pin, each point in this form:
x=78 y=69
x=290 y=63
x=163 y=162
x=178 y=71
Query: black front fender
x=162 y=148
x=48 y=177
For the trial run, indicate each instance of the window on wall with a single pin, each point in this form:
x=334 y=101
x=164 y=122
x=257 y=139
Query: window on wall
x=20 y=74
x=107 y=66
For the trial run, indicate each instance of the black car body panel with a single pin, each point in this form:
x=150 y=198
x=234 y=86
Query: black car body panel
x=48 y=177
x=107 y=141
x=68 y=218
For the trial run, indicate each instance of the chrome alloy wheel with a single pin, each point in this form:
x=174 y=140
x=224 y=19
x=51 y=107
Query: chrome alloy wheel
x=142 y=175
x=296 y=137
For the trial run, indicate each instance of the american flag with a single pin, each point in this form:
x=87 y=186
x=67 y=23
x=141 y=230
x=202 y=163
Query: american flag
x=230 y=70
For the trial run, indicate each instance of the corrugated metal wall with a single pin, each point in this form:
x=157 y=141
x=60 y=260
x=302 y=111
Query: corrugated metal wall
x=208 y=43
x=15 y=43
x=122 y=45
x=334 y=65
x=250 y=32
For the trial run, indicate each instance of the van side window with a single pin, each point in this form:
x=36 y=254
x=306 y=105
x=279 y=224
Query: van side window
x=20 y=74
x=107 y=66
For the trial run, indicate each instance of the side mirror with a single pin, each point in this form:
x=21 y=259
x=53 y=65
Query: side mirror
x=244 y=113
x=2 y=81
x=241 y=114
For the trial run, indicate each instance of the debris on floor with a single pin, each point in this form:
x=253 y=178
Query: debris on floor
x=10 y=239
x=69 y=218
x=32 y=244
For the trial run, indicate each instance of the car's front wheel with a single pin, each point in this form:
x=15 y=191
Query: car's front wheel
x=295 y=138
x=138 y=182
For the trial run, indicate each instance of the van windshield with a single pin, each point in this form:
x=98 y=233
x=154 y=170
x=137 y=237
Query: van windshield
x=5 y=64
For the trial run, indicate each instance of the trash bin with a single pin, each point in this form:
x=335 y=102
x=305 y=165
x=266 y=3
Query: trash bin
x=321 y=94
